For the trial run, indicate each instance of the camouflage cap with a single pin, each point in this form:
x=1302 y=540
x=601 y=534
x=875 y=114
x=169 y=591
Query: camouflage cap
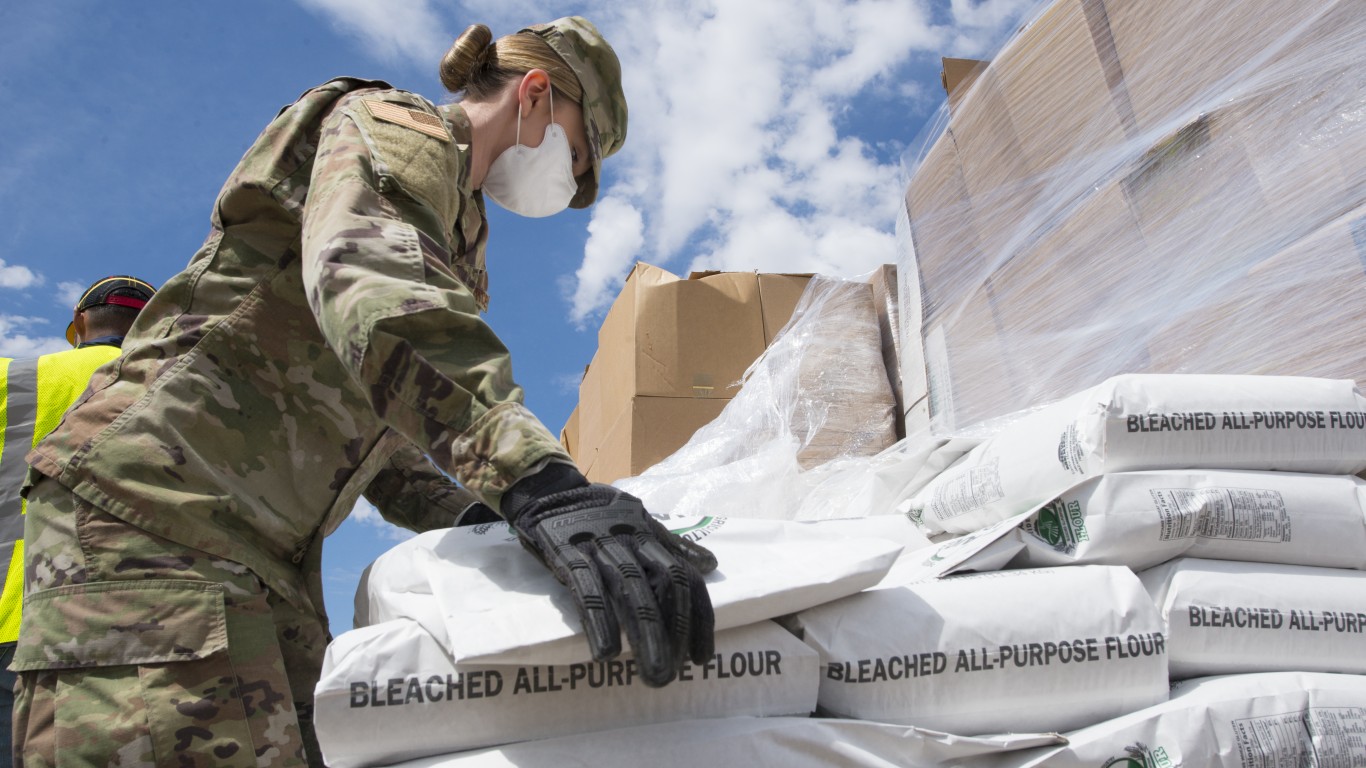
x=595 y=64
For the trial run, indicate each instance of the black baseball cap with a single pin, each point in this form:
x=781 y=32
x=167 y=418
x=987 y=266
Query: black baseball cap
x=119 y=290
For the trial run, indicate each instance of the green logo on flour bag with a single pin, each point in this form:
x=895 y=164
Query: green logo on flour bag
x=1139 y=756
x=704 y=527
x=1060 y=525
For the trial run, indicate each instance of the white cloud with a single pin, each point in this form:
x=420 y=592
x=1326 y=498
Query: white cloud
x=69 y=293
x=18 y=277
x=365 y=513
x=568 y=383
x=16 y=341
x=392 y=30
x=979 y=25
x=743 y=150
x=615 y=239
x=744 y=147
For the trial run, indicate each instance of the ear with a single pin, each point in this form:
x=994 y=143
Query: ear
x=78 y=319
x=535 y=87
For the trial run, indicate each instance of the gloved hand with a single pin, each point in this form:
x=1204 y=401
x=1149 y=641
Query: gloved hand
x=623 y=568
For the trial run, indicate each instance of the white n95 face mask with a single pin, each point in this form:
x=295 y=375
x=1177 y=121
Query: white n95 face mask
x=534 y=181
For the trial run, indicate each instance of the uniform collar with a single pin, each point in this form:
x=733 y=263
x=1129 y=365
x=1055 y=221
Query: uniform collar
x=459 y=124
x=102 y=341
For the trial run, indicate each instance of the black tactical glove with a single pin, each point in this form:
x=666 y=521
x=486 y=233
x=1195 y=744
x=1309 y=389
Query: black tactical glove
x=621 y=566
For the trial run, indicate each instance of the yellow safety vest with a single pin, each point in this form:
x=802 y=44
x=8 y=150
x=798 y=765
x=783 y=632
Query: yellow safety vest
x=35 y=393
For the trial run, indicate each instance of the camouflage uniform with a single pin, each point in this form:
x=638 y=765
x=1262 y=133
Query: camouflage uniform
x=323 y=343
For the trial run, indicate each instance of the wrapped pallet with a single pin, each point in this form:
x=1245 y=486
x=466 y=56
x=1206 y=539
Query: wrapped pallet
x=1141 y=186
x=818 y=396
x=1040 y=650
x=1226 y=617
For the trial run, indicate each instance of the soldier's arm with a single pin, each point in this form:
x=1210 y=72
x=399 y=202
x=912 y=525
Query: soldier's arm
x=376 y=268
x=412 y=493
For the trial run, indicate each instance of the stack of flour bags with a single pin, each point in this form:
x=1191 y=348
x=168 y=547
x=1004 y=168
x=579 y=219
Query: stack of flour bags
x=1206 y=529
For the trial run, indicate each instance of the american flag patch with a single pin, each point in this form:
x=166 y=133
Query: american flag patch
x=408 y=118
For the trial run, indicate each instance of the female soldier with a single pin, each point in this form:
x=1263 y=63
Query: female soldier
x=325 y=337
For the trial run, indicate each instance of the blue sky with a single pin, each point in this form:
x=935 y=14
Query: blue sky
x=765 y=134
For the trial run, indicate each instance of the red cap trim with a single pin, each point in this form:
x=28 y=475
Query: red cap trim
x=125 y=301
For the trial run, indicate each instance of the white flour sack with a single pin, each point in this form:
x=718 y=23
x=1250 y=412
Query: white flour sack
x=1300 y=719
x=747 y=742
x=1038 y=650
x=1226 y=617
x=389 y=692
x=1141 y=519
x=1149 y=421
x=487 y=600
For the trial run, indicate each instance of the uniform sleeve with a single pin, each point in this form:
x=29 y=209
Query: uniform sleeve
x=412 y=493
x=376 y=269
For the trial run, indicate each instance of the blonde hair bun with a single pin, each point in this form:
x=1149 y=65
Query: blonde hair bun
x=469 y=51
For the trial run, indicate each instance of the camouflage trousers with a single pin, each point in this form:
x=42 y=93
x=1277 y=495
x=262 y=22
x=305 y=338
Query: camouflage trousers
x=136 y=651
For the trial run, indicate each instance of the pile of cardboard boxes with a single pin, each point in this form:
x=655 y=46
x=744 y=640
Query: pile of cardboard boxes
x=672 y=353
x=1117 y=191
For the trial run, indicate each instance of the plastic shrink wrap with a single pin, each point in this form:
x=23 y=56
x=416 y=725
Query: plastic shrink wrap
x=1173 y=186
x=812 y=410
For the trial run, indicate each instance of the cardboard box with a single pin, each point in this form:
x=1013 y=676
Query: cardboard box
x=1121 y=165
x=1313 y=176
x=660 y=339
x=1177 y=55
x=843 y=403
x=943 y=237
x=966 y=364
x=999 y=180
x=1319 y=281
x=957 y=77
x=1055 y=309
x=1199 y=175
x=887 y=302
x=669 y=337
x=666 y=338
x=648 y=430
x=569 y=436
x=1060 y=86
x=778 y=297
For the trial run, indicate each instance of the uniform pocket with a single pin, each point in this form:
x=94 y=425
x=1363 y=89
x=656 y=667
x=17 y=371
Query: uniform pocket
x=113 y=623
